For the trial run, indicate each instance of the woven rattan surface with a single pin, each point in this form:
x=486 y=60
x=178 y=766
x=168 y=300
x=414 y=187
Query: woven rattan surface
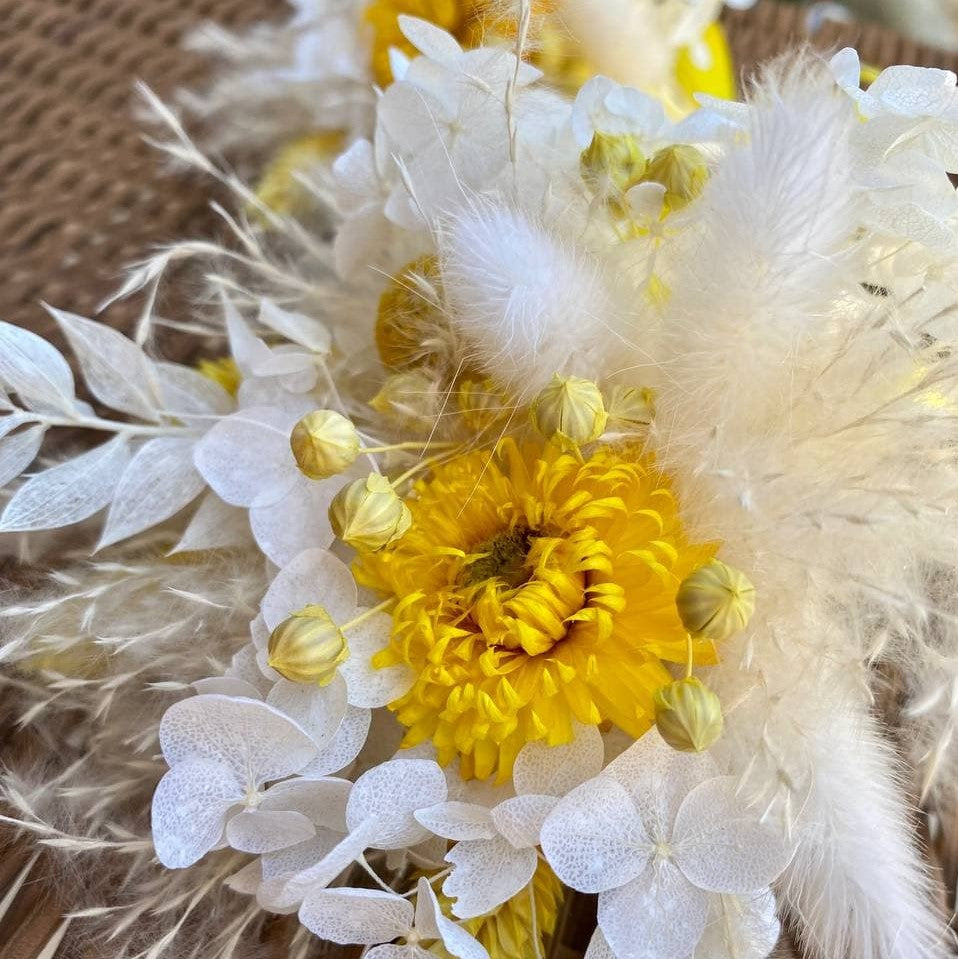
x=81 y=195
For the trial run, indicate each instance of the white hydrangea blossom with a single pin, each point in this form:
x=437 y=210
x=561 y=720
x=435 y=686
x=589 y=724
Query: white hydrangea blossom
x=656 y=835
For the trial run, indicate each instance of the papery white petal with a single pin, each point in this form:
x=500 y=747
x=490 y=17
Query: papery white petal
x=319 y=710
x=252 y=739
x=723 y=847
x=69 y=492
x=215 y=525
x=157 y=483
x=246 y=457
x=599 y=947
x=321 y=801
x=344 y=747
x=432 y=924
x=457 y=820
x=116 y=370
x=361 y=916
x=391 y=950
x=183 y=390
x=486 y=872
x=429 y=39
x=313 y=577
x=247 y=880
x=556 y=770
x=297 y=522
x=265 y=830
x=740 y=927
x=305 y=330
x=18 y=451
x=390 y=793
x=226 y=686
x=189 y=809
x=594 y=839
x=659 y=915
x=368 y=685
x=520 y=819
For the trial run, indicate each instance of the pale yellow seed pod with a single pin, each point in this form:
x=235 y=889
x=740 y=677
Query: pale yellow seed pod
x=681 y=170
x=411 y=399
x=308 y=647
x=688 y=715
x=368 y=514
x=569 y=411
x=630 y=409
x=715 y=601
x=324 y=443
x=612 y=163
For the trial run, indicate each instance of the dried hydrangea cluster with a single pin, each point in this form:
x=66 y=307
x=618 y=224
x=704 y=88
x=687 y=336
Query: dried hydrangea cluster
x=584 y=467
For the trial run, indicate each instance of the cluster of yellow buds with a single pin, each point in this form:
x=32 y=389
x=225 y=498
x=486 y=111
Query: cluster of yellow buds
x=713 y=603
x=614 y=163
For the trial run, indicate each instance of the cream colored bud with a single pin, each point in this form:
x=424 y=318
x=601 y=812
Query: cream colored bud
x=688 y=715
x=630 y=409
x=681 y=170
x=411 y=399
x=612 y=163
x=715 y=601
x=368 y=514
x=324 y=443
x=570 y=411
x=308 y=647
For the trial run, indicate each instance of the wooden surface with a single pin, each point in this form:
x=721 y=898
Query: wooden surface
x=81 y=195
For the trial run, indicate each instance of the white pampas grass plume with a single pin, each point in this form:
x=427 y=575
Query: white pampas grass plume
x=856 y=883
x=527 y=303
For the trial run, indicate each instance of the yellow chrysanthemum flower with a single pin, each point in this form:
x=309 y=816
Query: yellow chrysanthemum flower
x=506 y=932
x=533 y=589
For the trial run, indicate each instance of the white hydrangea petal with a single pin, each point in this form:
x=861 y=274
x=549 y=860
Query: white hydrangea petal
x=297 y=327
x=319 y=710
x=391 y=950
x=556 y=770
x=344 y=747
x=189 y=809
x=282 y=864
x=486 y=872
x=251 y=738
x=369 y=686
x=740 y=927
x=227 y=686
x=594 y=839
x=321 y=801
x=265 y=830
x=520 y=819
x=297 y=522
x=658 y=778
x=360 y=916
x=659 y=915
x=317 y=577
x=432 y=924
x=457 y=820
x=246 y=457
x=599 y=947
x=430 y=40
x=914 y=91
x=390 y=793
x=247 y=880
x=723 y=847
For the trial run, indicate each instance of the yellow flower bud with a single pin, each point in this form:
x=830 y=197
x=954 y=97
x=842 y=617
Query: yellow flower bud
x=715 y=601
x=368 y=514
x=681 y=170
x=411 y=399
x=611 y=164
x=308 y=647
x=630 y=409
x=570 y=411
x=324 y=443
x=688 y=715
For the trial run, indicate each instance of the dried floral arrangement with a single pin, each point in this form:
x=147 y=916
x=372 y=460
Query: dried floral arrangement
x=566 y=472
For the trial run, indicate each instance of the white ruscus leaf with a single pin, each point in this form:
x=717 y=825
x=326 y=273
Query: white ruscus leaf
x=69 y=492
x=34 y=370
x=18 y=449
x=158 y=482
x=116 y=370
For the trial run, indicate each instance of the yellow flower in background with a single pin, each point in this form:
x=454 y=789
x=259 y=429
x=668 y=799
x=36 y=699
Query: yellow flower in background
x=279 y=187
x=223 y=371
x=534 y=589
x=506 y=932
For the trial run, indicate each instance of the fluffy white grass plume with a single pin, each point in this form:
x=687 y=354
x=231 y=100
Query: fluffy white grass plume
x=527 y=303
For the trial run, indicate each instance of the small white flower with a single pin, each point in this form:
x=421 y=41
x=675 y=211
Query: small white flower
x=655 y=834
x=495 y=854
x=370 y=917
x=221 y=751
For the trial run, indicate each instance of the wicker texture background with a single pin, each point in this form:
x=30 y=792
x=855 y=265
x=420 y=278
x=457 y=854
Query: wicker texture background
x=81 y=195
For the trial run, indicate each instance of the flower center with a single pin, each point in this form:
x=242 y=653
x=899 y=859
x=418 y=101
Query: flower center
x=503 y=558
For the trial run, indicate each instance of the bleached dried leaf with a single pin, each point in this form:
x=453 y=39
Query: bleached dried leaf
x=116 y=370
x=158 y=482
x=215 y=525
x=35 y=370
x=184 y=390
x=69 y=492
x=17 y=451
